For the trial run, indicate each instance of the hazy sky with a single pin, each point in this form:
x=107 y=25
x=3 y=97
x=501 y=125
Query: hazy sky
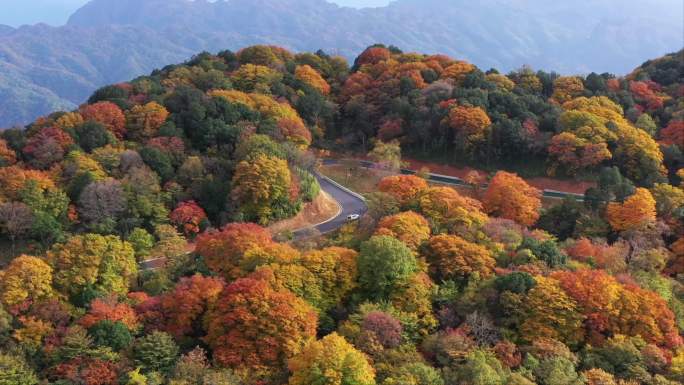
x=56 y=12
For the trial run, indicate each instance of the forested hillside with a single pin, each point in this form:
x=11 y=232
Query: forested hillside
x=43 y=68
x=484 y=284
x=573 y=125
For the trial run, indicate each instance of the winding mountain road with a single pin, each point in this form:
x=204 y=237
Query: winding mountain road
x=352 y=203
x=349 y=201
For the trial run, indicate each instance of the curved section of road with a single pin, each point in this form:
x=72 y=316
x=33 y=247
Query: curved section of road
x=350 y=202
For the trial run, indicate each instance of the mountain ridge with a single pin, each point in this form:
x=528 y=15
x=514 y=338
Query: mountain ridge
x=108 y=41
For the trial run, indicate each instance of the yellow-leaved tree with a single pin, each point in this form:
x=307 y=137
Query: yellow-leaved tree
x=331 y=361
x=261 y=187
x=25 y=278
x=310 y=76
x=448 y=209
x=550 y=313
x=567 y=87
x=105 y=264
x=251 y=77
x=598 y=119
x=409 y=227
x=143 y=121
x=322 y=277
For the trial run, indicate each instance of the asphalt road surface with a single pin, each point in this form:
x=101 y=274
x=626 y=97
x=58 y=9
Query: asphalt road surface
x=350 y=203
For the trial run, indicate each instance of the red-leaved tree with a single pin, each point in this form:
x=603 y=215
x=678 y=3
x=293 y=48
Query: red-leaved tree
x=223 y=250
x=188 y=216
x=255 y=327
x=107 y=114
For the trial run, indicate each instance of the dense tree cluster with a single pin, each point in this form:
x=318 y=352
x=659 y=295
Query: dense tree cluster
x=572 y=125
x=136 y=249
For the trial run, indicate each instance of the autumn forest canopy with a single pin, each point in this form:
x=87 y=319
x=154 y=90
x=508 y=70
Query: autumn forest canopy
x=137 y=246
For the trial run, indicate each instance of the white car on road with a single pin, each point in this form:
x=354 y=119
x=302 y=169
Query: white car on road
x=353 y=217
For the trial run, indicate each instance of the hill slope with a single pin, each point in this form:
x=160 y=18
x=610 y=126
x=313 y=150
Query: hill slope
x=108 y=41
x=434 y=286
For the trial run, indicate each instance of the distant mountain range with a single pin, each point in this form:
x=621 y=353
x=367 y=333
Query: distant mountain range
x=45 y=68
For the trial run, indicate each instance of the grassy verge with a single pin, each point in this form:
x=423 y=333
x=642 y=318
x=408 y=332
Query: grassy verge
x=357 y=179
x=529 y=168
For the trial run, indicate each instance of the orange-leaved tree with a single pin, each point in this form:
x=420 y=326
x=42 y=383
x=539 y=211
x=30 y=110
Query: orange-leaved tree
x=8 y=156
x=634 y=213
x=676 y=264
x=14 y=178
x=453 y=258
x=294 y=130
x=470 y=124
x=409 y=227
x=404 y=188
x=596 y=293
x=110 y=309
x=611 y=308
x=509 y=196
x=458 y=70
x=373 y=55
x=224 y=250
